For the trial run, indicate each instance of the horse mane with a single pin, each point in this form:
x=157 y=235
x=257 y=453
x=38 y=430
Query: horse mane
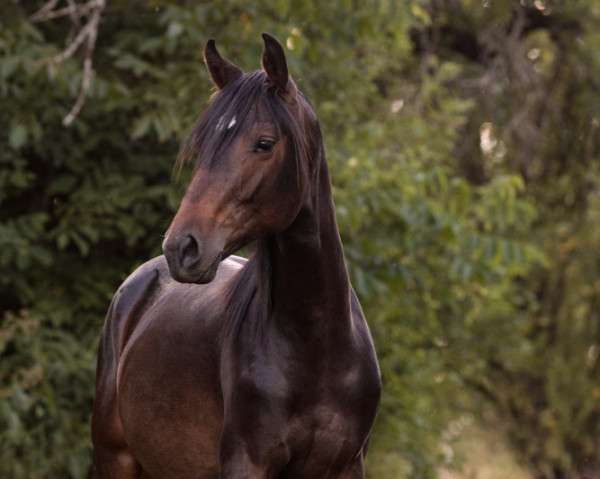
x=249 y=295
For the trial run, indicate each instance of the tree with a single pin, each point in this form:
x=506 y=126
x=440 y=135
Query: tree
x=78 y=207
x=532 y=68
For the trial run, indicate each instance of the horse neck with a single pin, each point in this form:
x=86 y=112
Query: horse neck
x=309 y=277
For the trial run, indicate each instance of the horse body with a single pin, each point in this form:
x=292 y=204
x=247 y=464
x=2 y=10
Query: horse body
x=247 y=369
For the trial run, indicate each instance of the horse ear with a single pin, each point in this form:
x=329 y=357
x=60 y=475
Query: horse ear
x=275 y=66
x=221 y=70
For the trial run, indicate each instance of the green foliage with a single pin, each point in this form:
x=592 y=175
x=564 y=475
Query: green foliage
x=427 y=253
x=46 y=395
x=78 y=207
x=466 y=189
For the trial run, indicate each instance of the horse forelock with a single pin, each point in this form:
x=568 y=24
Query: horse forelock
x=228 y=112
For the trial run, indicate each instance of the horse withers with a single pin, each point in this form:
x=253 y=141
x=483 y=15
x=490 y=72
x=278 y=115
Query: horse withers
x=211 y=366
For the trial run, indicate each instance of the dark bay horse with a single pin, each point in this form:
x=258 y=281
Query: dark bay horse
x=211 y=366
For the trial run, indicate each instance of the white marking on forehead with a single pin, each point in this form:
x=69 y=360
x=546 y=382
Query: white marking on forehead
x=219 y=125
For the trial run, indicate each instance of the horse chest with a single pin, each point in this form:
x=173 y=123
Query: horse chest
x=319 y=410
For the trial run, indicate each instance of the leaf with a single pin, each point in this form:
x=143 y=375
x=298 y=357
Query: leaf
x=174 y=29
x=140 y=127
x=62 y=240
x=17 y=136
x=8 y=66
x=62 y=185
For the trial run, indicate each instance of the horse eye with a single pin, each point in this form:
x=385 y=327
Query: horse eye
x=264 y=146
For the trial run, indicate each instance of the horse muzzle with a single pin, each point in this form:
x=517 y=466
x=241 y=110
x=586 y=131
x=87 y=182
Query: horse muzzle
x=191 y=260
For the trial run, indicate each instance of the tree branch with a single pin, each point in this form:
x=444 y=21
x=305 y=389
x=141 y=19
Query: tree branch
x=45 y=10
x=43 y=14
x=87 y=37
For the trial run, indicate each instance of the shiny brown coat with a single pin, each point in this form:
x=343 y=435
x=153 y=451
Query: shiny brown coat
x=211 y=366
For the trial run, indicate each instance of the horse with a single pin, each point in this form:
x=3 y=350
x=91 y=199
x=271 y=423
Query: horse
x=214 y=366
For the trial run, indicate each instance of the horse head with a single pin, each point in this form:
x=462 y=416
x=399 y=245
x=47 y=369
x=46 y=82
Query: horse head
x=251 y=173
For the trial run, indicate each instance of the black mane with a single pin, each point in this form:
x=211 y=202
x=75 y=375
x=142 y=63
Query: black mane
x=249 y=295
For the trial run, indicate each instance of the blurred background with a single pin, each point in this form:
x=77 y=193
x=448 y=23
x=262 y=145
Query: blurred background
x=464 y=142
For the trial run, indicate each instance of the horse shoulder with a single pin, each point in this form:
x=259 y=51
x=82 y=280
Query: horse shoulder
x=150 y=315
x=148 y=284
x=130 y=301
x=125 y=310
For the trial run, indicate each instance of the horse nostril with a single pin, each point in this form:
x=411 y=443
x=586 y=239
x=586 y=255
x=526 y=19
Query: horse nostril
x=189 y=251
